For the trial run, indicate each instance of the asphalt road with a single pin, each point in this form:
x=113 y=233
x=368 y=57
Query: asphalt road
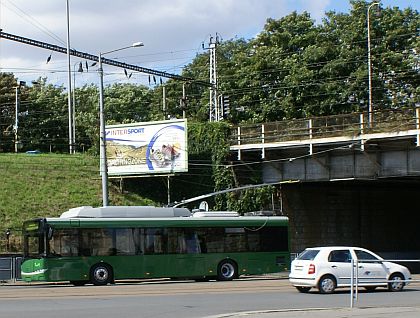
x=184 y=299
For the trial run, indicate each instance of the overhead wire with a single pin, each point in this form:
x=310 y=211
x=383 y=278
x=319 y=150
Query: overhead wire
x=32 y=20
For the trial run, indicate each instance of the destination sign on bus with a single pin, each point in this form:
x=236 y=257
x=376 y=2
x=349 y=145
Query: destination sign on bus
x=31 y=226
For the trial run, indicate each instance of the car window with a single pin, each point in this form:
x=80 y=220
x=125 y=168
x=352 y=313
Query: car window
x=341 y=256
x=365 y=256
x=308 y=255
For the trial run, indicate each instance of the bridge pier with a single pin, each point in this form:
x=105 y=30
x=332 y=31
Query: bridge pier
x=378 y=215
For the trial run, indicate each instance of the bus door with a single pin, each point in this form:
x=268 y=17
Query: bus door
x=185 y=253
x=154 y=262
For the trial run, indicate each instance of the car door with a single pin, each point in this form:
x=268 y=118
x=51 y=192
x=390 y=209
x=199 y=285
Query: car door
x=371 y=269
x=339 y=263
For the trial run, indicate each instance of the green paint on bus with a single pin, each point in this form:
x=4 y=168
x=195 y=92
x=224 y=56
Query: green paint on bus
x=102 y=250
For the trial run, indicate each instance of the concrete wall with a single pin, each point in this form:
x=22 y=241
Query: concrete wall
x=343 y=165
x=383 y=216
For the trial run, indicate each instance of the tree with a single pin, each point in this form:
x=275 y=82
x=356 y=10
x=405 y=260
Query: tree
x=45 y=126
x=197 y=98
x=8 y=85
x=87 y=118
x=127 y=103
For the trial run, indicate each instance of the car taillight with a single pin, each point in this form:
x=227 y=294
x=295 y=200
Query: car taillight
x=311 y=269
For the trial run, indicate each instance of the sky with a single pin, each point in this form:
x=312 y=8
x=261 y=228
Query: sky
x=173 y=31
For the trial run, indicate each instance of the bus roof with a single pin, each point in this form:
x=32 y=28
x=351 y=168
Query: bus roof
x=125 y=212
x=168 y=222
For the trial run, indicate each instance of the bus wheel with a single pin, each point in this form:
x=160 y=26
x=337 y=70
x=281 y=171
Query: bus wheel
x=101 y=274
x=227 y=270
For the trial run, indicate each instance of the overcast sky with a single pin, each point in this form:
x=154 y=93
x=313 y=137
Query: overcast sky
x=172 y=30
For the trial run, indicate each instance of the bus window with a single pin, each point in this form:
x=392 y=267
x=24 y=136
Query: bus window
x=253 y=240
x=201 y=239
x=176 y=241
x=235 y=240
x=215 y=240
x=155 y=241
x=98 y=242
x=125 y=242
x=183 y=241
x=192 y=243
x=274 y=239
x=34 y=245
x=64 y=242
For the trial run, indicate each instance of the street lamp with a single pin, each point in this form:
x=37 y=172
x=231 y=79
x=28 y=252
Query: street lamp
x=7 y=233
x=369 y=64
x=102 y=135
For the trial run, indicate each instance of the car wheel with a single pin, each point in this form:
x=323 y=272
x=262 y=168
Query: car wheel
x=227 y=270
x=303 y=289
x=397 y=283
x=327 y=284
x=101 y=274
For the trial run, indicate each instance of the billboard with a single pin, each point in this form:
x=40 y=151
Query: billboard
x=147 y=148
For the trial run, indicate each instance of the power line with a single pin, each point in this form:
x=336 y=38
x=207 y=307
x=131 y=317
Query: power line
x=95 y=58
x=32 y=21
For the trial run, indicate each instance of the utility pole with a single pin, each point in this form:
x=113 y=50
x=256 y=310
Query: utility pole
x=370 y=110
x=183 y=101
x=16 y=126
x=164 y=101
x=69 y=90
x=169 y=189
x=214 y=111
x=102 y=137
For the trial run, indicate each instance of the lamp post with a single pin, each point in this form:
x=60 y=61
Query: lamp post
x=7 y=233
x=369 y=65
x=71 y=123
x=102 y=133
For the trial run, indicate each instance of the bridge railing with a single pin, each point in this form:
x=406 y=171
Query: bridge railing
x=350 y=125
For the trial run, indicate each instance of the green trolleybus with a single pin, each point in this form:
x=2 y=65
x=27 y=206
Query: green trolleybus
x=101 y=245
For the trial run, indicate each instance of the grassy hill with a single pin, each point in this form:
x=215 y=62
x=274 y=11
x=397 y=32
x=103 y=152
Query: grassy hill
x=48 y=184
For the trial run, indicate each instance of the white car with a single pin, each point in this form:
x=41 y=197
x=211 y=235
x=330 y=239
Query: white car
x=328 y=268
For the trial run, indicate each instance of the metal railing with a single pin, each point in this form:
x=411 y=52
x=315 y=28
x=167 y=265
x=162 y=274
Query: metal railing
x=350 y=125
x=354 y=276
x=10 y=268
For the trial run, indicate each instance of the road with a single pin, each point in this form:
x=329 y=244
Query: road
x=165 y=298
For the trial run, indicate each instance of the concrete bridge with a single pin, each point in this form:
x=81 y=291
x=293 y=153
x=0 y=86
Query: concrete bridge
x=342 y=180
x=334 y=147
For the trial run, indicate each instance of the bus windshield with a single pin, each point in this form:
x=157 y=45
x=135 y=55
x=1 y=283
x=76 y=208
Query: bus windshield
x=33 y=239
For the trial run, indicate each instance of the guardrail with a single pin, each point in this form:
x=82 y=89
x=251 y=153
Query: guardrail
x=354 y=277
x=10 y=268
x=351 y=125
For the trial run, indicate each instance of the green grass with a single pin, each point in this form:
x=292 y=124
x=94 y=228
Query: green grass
x=49 y=184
